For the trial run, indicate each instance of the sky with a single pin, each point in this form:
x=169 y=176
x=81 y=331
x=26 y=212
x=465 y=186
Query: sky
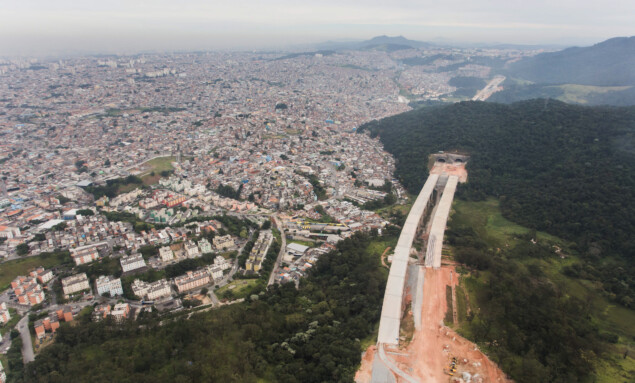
x=45 y=27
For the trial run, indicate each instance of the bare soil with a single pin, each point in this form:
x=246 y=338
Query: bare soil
x=428 y=356
x=452 y=170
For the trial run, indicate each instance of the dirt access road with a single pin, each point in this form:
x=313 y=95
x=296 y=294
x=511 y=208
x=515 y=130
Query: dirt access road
x=428 y=356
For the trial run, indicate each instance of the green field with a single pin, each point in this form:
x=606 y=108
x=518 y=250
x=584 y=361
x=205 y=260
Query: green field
x=156 y=165
x=11 y=269
x=575 y=93
x=486 y=219
x=240 y=288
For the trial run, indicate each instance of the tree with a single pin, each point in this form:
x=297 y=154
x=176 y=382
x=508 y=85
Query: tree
x=22 y=249
x=60 y=226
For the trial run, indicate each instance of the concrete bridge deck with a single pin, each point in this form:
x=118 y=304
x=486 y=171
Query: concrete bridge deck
x=439 y=221
x=391 y=310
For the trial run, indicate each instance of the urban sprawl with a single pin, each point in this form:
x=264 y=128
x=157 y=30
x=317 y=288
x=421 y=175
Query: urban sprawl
x=155 y=183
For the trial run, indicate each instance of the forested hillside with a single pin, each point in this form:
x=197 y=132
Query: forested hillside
x=609 y=63
x=601 y=74
x=285 y=335
x=564 y=169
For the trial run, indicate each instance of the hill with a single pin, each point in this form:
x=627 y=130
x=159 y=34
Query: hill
x=598 y=75
x=549 y=292
x=609 y=63
x=564 y=169
x=388 y=43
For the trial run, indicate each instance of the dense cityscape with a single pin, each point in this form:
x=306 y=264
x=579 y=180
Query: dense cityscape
x=132 y=160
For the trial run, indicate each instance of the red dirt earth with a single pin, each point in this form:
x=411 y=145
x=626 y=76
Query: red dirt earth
x=428 y=356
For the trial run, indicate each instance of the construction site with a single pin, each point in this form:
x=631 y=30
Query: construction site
x=414 y=343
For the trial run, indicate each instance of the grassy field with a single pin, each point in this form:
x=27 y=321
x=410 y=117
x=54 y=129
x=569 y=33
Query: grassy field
x=156 y=165
x=485 y=218
x=461 y=304
x=388 y=211
x=575 y=93
x=449 y=313
x=11 y=269
x=239 y=288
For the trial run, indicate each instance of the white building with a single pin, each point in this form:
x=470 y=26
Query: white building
x=222 y=263
x=5 y=316
x=191 y=250
x=133 y=262
x=108 y=284
x=215 y=271
x=166 y=254
x=9 y=232
x=151 y=291
x=3 y=375
x=224 y=242
x=205 y=246
x=75 y=283
x=192 y=280
x=296 y=249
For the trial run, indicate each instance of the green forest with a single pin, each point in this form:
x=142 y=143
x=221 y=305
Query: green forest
x=564 y=169
x=312 y=334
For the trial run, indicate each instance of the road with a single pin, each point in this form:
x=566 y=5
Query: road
x=392 y=366
x=215 y=300
x=490 y=88
x=227 y=278
x=27 y=346
x=283 y=248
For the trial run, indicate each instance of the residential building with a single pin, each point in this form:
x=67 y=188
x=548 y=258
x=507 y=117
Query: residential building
x=120 y=311
x=108 y=284
x=151 y=291
x=192 y=280
x=52 y=322
x=205 y=246
x=191 y=250
x=166 y=254
x=75 y=283
x=43 y=276
x=65 y=314
x=9 y=232
x=101 y=312
x=133 y=262
x=85 y=254
x=27 y=290
x=3 y=375
x=215 y=272
x=223 y=242
x=5 y=316
x=221 y=262
x=259 y=252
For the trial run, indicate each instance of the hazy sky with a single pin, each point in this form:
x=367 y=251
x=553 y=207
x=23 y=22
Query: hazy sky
x=114 y=26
